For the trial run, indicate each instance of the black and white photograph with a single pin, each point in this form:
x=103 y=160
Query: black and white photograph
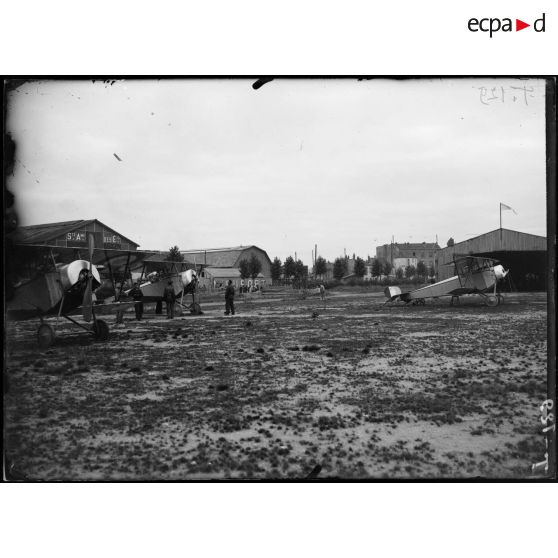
x=212 y=279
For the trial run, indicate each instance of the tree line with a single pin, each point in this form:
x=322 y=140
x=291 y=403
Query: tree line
x=295 y=271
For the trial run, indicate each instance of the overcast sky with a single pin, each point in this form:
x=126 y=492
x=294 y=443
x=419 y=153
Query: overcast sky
x=344 y=164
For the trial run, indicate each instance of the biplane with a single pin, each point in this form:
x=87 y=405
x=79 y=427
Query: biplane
x=62 y=290
x=156 y=273
x=474 y=275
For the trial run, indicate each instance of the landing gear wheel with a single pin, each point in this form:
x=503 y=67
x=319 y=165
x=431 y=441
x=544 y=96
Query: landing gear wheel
x=177 y=310
x=492 y=300
x=195 y=309
x=421 y=302
x=45 y=336
x=100 y=330
x=500 y=298
x=454 y=301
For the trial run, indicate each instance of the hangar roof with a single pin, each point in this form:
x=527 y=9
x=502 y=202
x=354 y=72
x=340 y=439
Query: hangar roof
x=161 y=258
x=418 y=245
x=47 y=232
x=220 y=257
x=499 y=240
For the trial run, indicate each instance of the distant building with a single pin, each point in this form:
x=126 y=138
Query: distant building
x=402 y=263
x=424 y=251
x=221 y=264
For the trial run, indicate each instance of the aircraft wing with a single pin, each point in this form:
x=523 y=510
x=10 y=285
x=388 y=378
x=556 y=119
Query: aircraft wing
x=118 y=260
x=157 y=260
x=471 y=258
x=461 y=291
x=105 y=308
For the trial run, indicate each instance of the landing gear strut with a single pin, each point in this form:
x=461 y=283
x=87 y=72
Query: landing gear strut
x=45 y=336
x=100 y=330
x=195 y=309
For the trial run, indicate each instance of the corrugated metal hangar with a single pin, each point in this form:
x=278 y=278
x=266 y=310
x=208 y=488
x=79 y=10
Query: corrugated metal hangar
x=73 y=234
x=522 y=253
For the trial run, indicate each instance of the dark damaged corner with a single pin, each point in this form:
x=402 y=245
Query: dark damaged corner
x=13 y=84
x=10 y=217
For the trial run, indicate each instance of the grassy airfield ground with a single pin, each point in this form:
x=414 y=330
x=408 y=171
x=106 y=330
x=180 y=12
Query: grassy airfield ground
x=361 y=389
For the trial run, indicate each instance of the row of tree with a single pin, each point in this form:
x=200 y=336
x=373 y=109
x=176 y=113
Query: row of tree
x=411 y=271
x=341 y=268
x=292 y=270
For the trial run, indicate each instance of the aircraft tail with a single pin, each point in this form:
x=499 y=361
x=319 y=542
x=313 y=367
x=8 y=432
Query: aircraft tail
x=392 y=293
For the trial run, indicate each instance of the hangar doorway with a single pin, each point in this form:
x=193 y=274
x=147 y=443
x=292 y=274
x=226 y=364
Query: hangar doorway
x=527 y=269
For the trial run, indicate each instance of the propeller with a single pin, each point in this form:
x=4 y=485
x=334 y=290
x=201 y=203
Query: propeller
x=500 y=272
x=88 y=294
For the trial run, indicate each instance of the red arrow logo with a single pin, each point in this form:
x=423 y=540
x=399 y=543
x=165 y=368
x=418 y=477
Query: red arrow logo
x=519 y=25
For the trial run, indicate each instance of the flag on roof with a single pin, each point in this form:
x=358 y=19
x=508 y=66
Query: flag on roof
x=504 y=206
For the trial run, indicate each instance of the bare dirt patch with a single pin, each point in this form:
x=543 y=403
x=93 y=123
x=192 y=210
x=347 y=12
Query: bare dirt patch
x=361 y=389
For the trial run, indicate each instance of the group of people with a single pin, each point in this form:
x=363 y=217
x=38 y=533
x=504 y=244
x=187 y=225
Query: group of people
x=168 y=298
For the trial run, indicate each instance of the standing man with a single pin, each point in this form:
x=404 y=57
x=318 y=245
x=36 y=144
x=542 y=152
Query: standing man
x=229 y=299
x=137 y=295
x=169 y=298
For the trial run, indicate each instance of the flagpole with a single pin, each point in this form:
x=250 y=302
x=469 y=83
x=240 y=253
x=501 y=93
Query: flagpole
x=500 y=223
x=500 y=215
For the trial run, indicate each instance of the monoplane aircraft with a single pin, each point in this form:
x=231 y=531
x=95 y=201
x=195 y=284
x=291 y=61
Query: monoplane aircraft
x=61 y=290
x=474 y=275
